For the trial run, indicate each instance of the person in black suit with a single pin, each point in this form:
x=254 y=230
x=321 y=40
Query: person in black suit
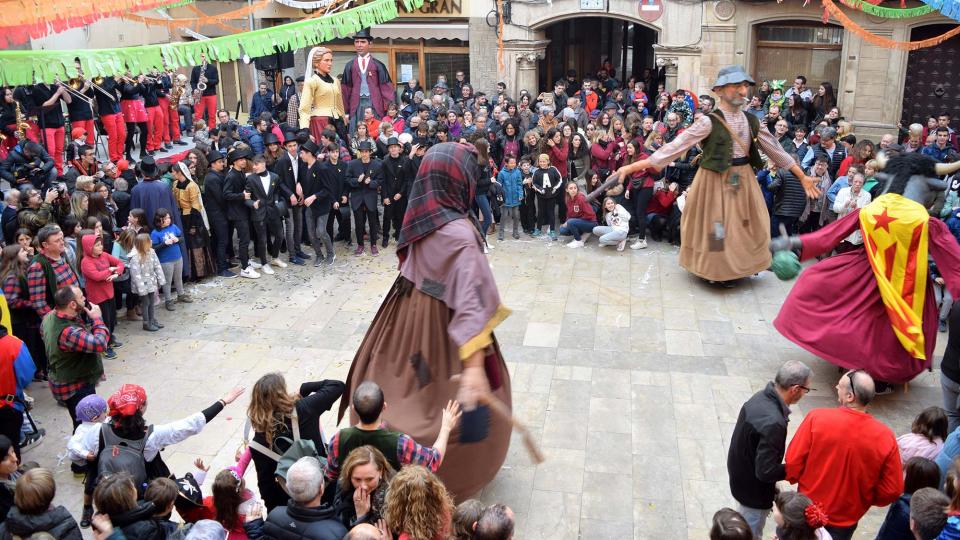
x=290 y=168
x=341 y=212
x=363 y=176
x=266 y=209
x=238 y=215
x=395 y=187
x=321 y=186
x=216 y=208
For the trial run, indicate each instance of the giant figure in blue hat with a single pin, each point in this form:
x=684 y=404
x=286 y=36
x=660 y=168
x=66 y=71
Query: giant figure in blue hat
x=725 y=226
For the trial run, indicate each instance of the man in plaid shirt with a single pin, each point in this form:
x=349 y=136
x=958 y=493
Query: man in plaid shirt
x=49 y=270
x=74 y=347
x=399 y=448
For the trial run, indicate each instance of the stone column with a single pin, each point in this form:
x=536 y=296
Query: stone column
x=670 y=64
x=527 y=71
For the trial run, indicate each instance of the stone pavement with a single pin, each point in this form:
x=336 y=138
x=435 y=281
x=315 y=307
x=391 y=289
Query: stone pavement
x=629 y=372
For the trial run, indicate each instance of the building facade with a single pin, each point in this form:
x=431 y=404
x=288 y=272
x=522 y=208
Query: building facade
x=693 y=40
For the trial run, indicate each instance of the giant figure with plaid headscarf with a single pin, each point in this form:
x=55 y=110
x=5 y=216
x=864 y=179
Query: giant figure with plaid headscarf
x=873 y=308
x=432 y=338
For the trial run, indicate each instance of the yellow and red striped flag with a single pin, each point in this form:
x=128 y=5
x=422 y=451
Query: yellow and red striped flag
x=895 y=237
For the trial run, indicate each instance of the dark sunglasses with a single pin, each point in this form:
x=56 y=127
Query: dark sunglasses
x=853 y=389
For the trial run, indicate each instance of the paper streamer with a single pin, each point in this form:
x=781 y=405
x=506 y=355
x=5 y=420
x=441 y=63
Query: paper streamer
x=870 y=37
x=29 y=67
x=949 y=8
x=14 y=33
x=306 y=5
x=888 y=13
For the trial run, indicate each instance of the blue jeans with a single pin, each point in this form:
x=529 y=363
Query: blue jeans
x=756 y=518
x=576 y=226
x=484 y=203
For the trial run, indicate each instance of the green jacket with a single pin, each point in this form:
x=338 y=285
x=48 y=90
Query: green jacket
x=718 y=146
x=67 y=366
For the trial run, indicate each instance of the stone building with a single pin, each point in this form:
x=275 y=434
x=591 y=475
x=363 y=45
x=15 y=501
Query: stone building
x=691 y=40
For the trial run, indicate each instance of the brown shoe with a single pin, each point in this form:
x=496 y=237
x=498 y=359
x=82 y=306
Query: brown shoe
x=132 y=315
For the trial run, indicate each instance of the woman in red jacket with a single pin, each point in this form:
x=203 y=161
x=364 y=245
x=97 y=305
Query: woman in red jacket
x=99 y=271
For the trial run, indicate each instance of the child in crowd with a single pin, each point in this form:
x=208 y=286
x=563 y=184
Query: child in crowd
x=146 y=278
x=617 y=220
x=121 y=286
x=162 y=492
x=231 y=500
x=547 y=183
x=137 y=220
x=512 y=181
x=528 y=204
x=166 y=237
x=798 y=518
x=91 y=412
x=926 y=436
x=918 y=473
x=99 y=271
x=581 y=219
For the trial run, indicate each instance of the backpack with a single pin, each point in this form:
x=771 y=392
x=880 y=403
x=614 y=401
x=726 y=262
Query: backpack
x=121 y=454
x=299 y=448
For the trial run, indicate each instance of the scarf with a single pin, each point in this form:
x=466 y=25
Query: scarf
x=442 y=192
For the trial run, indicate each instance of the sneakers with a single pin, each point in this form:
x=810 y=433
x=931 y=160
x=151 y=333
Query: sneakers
x=303 y=256
x=385 y=242
x=358 y=251
x=373 y=250
x=584 y=237
x=32 y=440
x=254 y=264
x=225 y=274
x=267 y=269
x=169 y=305
x=110 y=354
x=150 y=327
x=180 y=142
x=575 y=244
x=157 y=324
x=943 y=326
x=278 y=263
x=184 y=299
x=553 y=235
x=537 y=233
x=319 y=262
x=516 y=235
x=622 y=244
x=297 y=261
x=330 y=258
x=249 y=272
x=641 y=243
x=116 y=344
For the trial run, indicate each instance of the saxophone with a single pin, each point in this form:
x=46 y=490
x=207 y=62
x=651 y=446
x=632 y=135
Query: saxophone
x=202 y=83
x=22 y=125
x=175 y=95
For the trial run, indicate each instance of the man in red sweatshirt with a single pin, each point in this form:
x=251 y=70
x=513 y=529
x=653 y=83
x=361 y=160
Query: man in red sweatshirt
x=845 y=459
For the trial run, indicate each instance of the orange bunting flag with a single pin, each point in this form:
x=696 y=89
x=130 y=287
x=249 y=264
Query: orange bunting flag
x=895 y=236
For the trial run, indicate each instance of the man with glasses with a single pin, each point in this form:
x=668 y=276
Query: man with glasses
x=845 y=459
x=754 y=462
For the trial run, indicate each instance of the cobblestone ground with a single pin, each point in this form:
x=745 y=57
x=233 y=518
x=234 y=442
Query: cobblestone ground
x=629 y=372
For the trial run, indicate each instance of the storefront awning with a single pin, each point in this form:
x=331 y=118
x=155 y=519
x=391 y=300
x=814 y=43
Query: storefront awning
x=420 y=30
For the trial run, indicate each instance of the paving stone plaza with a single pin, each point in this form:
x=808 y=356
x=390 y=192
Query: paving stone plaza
x=629 y=372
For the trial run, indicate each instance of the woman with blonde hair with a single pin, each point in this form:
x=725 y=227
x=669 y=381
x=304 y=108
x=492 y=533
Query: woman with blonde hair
x=419 y=507
x=321 y=102
x=271 y=412
x=79 y=203
x=364 y=479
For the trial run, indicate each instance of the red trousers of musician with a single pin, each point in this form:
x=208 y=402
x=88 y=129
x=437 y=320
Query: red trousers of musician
x=116 y=134
x=208 y=105
x=86 y=125
x=54 y=137
x=171 y=121
x=155 y=123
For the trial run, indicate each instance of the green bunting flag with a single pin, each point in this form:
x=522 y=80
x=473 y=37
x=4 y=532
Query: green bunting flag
x=886 y=12
x=29 y=67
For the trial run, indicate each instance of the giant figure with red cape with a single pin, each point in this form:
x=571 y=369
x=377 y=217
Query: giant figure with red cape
x=432 y=339
x=873 y=308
